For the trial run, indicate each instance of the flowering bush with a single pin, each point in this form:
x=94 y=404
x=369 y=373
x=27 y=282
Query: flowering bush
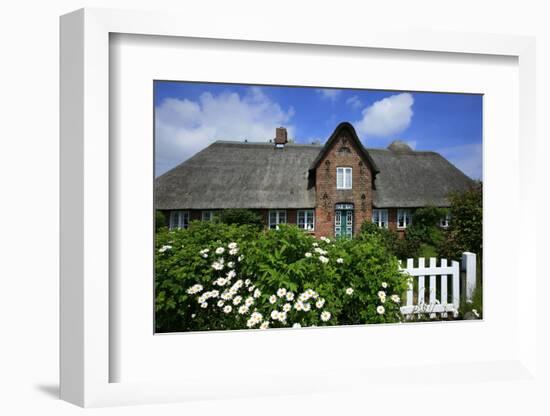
x=218 y=276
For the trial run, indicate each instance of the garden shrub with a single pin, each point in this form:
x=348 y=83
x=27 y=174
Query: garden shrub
x=465 y=231
x=402 y=248
x=220 y=276
x=160 y=220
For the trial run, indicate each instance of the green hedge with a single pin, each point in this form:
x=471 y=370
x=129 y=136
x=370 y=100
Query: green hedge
x=215 y=276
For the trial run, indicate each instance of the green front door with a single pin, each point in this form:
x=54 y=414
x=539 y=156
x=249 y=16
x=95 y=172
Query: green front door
x=343 y=223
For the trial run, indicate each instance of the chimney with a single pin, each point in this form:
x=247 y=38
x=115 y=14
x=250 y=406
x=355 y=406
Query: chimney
x=280 y=137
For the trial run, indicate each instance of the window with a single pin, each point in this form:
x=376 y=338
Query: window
x=208 y=215
x=380 y=217
x=404 y=218
x=179 y=219
x=343 y=178
x=445 y=221
x=306 y=220
x=276 y=217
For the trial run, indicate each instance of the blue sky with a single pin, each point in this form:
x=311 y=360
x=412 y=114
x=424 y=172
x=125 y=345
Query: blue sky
x=190 y=116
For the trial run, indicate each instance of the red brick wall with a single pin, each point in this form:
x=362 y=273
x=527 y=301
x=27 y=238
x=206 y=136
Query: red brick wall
x=343 y=153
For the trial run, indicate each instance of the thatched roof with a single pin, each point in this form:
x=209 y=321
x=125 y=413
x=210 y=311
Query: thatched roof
x=257 y=175
x=415 y=179
x=240 y=175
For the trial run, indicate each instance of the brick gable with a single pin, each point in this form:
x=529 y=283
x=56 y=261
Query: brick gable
x=343 y=151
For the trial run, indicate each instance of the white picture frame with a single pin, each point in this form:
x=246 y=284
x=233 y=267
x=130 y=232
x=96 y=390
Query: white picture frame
x=85 y=210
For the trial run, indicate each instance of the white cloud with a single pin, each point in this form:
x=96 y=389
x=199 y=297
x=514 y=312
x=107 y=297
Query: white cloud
x=389 y=116
x=184 y=127
x=329 y=93
x=354 y=102
x=468 y=158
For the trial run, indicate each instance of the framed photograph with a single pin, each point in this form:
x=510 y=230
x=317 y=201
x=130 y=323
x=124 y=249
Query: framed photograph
x=314 y=205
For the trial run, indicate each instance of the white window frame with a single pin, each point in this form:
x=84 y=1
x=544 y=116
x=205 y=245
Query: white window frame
x=208 y=215
x=378 y=214
x=278 y=214
x=407 y=218
x=308 y=214
x=177 y=219
x=345 y=174
x=445 y=221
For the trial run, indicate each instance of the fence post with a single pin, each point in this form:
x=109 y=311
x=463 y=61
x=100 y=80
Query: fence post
x=468 y=265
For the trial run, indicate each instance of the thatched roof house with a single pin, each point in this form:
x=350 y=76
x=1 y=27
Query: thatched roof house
x=326 y=181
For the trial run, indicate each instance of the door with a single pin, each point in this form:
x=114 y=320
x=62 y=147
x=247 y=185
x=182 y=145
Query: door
x=343 y=223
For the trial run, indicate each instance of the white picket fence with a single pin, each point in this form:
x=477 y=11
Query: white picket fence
x=427 y=299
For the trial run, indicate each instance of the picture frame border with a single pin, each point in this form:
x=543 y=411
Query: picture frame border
x=84 y=175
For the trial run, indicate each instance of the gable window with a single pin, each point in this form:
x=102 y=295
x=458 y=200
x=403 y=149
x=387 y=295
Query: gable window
x=343 y=178
x=179 y=219
x=445 y=221
x=276 y=217
x=306 y=220
x=404 y=218
x=380 y=217
x=208 y=215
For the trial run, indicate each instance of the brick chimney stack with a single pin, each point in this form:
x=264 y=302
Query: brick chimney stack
x=281 y=137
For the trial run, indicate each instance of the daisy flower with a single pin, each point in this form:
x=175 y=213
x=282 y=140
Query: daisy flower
x=289 y=296
x=287 y=307
x=325 y=316
x=308 y=254
x=257 y=293
x=320 y=303
x=281 y=292
x=227 y=308
x=349 y=291
x=380 y=310
x=395 y=298
x=243 y=309
x=384 y=285
x=339 y=260
x=237 y=300
x=232 y=245
x=164 y=248
x=204 y=305
x=323 y=259
x=272 y=299
x=220 y=250
x=264 y=325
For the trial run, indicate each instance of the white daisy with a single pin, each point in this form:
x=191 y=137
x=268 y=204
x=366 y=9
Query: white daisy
x=164 y=248
x=320 y=303
x=281 y=292
x=272 y=299
x=240 y=258
x=307 y=307
x=231 y=274
x=395 y=298
x=194 y=289
x=220 y=281
x=275 y=315
x=237 y=300
x=339 y=260
x=289 y=296
x=220 y=303
x=349 y=291
x=299 y=305
x=232 y=245
x=287 y=307
x=323 y=259
x=231 y=264
x=243 y=309
x=264 y=325
x=227 y=309
x=217 y=265
x=257 y=293
x=220 y=250
x=249 y=301
x=384 y=285
x=233 y=251
x=204 y=305
x=325 y=316
x=308 y=254
x=380 y=309
x=282 y=316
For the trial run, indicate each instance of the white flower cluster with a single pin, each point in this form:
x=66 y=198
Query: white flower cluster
x=326 y=240
x=204 y=253
x=194 y=289
x=255 y=319
x=382 y=296
x=164 y=248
